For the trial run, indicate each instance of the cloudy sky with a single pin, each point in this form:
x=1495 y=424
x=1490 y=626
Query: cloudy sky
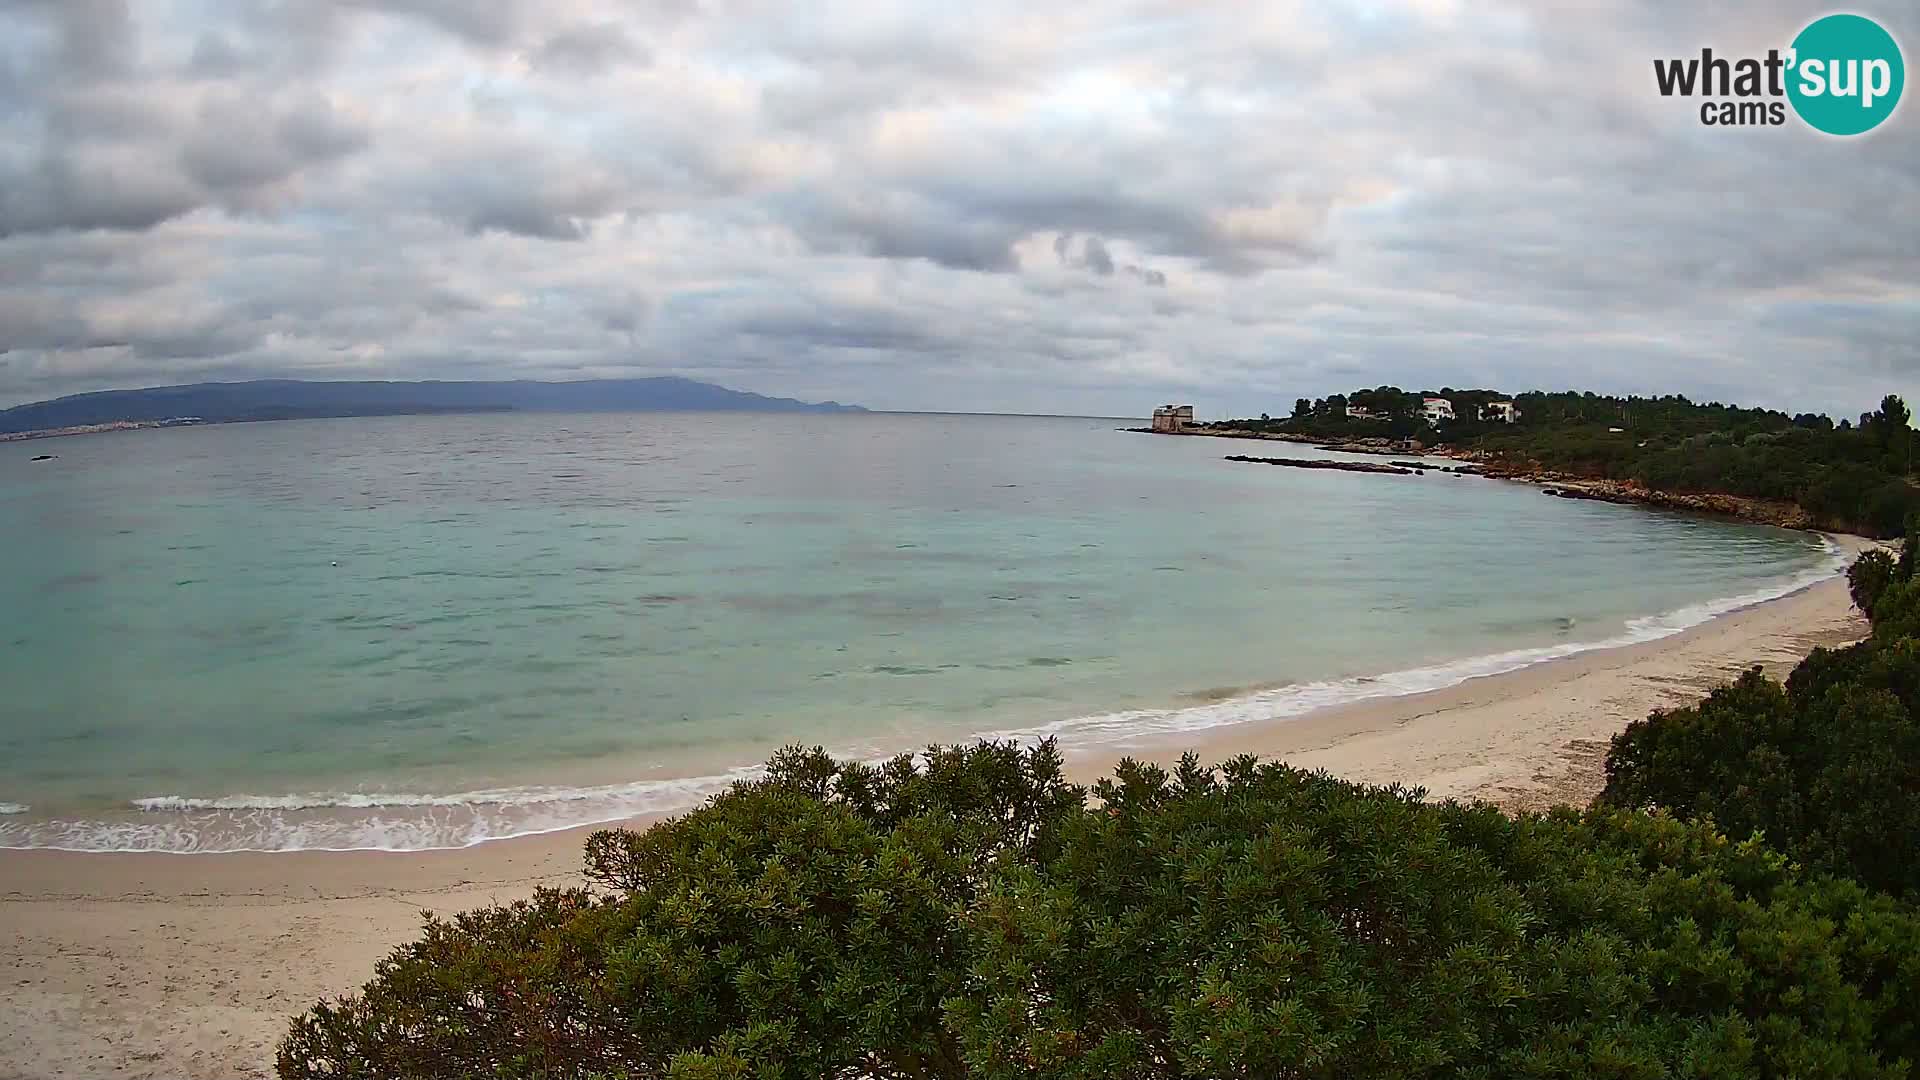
x=1023 y=206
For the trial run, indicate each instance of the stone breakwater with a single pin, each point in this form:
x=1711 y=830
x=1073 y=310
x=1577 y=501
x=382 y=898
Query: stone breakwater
x=1368 y=445
x=1321 y=463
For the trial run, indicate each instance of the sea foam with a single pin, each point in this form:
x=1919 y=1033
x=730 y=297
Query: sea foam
x=364 y=821
x=401 y=821
x=1297 y=699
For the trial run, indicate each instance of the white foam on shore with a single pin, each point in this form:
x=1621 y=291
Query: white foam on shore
x=353 y=821
x=1297 y=699
x=646 y=791
x=401 y=821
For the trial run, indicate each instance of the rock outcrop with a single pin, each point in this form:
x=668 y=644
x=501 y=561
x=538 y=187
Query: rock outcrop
x=1763 y=511
x=1323 y=463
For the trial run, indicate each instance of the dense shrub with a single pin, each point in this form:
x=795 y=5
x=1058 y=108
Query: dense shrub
x=978 y=918
x=1276 y=923
x=1848 y=477
x=1826 y=766
x=808 y=923
x=1868 y=577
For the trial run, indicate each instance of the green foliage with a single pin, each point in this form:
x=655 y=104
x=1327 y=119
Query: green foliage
x=976 y=917
x=1852 y=479
x=798 y=926
x=1849 y=478
x=1276 y=923
x=1868 y=577
x=1826 y=766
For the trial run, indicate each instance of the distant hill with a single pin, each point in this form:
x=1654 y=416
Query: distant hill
x=283 y=399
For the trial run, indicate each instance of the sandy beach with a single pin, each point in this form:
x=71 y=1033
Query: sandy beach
x=190 y=965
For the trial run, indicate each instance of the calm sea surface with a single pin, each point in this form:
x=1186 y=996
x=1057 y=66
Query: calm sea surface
x=418 y=632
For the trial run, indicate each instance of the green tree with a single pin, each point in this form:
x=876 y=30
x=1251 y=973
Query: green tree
x=1269 y=922
x=1894 y=412
x=1868 y=577
x=1826 y=766
x=796 y=927
x=972 y=916
x=1898 y=430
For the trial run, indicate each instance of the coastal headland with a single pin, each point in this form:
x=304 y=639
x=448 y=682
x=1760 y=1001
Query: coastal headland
x=150 y=965
x=1554 y=482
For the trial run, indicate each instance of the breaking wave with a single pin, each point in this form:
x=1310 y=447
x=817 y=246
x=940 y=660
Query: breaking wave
x=1297 y=699
x=370 y=821
x=400 y=821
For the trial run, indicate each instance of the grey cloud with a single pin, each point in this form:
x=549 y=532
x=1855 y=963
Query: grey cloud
x=527 y=219
x=837 y=333
x=106 y=146
x=512 y=197
x=492 y=23
x=96 y=37
x=901 y=226
x=1097 y=258
x=215 y=55
x=95 y=194
x=589 y=49
x=314 y=130
x=43 y=323
x=984 y=206
x=1094 y=256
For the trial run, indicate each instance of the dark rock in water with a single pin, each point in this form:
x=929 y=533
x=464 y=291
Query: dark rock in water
x=1322 y=463
x=1584 y=493
x=44 y=457
x=1367 y=448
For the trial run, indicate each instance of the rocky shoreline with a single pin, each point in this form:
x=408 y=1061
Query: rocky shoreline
x=1784 y=515
x=1563 y=485
x=1761 y=511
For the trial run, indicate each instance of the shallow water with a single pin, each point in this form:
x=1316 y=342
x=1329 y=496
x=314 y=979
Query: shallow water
x=414 y=632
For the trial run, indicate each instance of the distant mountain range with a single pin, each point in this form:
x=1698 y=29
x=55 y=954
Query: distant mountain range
x=287 y=399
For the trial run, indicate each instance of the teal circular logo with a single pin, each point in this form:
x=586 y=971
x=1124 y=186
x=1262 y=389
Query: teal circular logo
x=1845 y=74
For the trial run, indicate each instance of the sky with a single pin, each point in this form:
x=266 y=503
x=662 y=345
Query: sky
x=982 y=206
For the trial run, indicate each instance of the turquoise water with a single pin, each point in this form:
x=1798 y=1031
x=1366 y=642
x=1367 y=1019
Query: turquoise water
x=416 y=632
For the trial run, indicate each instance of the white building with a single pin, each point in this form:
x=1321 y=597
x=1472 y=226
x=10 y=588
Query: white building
x=1359 y=413
x=1504 y=412
x=1436 y=409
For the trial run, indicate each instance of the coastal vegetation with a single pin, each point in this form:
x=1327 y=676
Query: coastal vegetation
x=969 y=913
x=1854 y=476
x=1825 y=766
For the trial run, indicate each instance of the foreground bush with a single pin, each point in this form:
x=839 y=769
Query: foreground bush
x=808 y=923
x=978 y=918
x=1826 y=766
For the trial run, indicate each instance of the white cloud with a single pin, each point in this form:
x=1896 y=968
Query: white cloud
x=918 y=205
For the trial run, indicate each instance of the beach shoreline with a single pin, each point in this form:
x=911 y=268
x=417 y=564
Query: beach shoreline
x=165 y=964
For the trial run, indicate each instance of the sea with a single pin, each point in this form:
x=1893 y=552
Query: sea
x=421 y=632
